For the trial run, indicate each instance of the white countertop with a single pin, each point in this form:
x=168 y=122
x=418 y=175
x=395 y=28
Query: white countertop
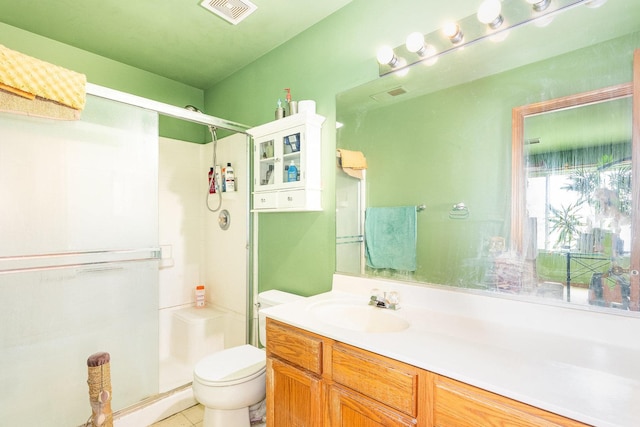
x=580 y=364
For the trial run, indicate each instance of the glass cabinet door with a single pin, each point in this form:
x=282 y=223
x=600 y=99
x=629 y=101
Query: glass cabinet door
x=267 y=161
x=291 y=164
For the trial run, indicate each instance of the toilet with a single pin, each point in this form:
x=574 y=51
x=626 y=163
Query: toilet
x=228 y=382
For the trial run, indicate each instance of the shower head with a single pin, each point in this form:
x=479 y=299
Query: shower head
x=212 y=129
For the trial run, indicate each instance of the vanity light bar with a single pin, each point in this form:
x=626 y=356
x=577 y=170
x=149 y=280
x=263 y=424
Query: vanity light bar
x=469 y=30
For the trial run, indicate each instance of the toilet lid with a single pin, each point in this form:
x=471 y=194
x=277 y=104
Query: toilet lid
x=231 y=364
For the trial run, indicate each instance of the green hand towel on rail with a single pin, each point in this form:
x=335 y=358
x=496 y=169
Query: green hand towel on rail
x=390 y=236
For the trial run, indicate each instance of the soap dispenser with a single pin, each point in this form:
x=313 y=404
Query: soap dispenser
x=279 y=110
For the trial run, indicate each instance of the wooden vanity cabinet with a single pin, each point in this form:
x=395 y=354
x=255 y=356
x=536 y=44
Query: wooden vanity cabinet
x=315 y=381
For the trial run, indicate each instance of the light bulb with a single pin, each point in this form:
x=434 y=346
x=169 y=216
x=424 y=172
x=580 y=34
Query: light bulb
x=453 y=32
x=489 y=13
x=386 y=56
x=539 y=5
x=415 y=42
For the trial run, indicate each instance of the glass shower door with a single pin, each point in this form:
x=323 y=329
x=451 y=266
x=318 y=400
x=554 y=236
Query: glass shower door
x=78 y=268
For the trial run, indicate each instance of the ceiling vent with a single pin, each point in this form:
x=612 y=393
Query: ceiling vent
x=233 y=11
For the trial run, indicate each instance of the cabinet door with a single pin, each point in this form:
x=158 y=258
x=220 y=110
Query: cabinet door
x=349 y=409
x=293 y=166
x=294 y=397
x=265 y=163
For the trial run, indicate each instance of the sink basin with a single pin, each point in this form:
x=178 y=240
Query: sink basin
x=358 y=317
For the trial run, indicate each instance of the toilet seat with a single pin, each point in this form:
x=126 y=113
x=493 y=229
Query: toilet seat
x=231 y=366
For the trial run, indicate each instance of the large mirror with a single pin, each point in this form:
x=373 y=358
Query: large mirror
x=464 y=141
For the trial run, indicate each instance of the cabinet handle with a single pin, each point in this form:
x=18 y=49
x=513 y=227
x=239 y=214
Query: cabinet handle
x=263 y=200
x=289 y=198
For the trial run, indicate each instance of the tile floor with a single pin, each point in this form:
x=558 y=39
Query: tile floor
x=190 y=417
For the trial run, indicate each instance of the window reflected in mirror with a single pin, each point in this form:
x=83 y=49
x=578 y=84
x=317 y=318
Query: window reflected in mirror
x=578 y=201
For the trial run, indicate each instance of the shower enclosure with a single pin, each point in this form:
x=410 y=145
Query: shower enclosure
x=80 y=257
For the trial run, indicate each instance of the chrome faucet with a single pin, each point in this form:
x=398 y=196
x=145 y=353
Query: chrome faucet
x=389 y=300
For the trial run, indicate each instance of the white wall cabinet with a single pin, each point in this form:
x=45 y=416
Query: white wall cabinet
x=293 y=140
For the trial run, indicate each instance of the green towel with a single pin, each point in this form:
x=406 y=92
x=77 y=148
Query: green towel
x=390 y=236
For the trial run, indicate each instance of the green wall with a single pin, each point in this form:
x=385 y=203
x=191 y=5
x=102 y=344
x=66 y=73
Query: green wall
x=114 y=75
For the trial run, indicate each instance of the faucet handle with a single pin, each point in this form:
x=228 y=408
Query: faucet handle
x=393 y=300
x=393 y=297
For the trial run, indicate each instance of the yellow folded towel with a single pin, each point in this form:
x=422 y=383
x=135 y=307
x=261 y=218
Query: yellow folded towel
x=352 y=159
x=352 y=162
x=30 y=77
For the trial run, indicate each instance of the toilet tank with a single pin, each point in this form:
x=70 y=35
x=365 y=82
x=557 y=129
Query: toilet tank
x=268 y=299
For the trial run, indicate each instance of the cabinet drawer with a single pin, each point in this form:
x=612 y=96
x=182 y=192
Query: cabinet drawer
x=459 y=404
x=265 y=200
x=294 y=346
x=394 y=384
x=348 y=408
x=291 y=199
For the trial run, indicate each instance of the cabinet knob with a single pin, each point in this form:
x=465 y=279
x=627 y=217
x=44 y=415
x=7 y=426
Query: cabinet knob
x=289 y=198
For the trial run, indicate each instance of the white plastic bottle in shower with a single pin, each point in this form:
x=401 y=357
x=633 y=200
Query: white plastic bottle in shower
x=229 y=178
x=200 y=296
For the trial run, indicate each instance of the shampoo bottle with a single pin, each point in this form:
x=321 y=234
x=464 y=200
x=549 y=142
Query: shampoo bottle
x=212 y=182
x=229 y=178
x=218 y=178
x=292 y=172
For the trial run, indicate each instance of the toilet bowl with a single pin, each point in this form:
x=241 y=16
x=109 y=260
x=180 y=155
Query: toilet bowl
x=228 y=382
